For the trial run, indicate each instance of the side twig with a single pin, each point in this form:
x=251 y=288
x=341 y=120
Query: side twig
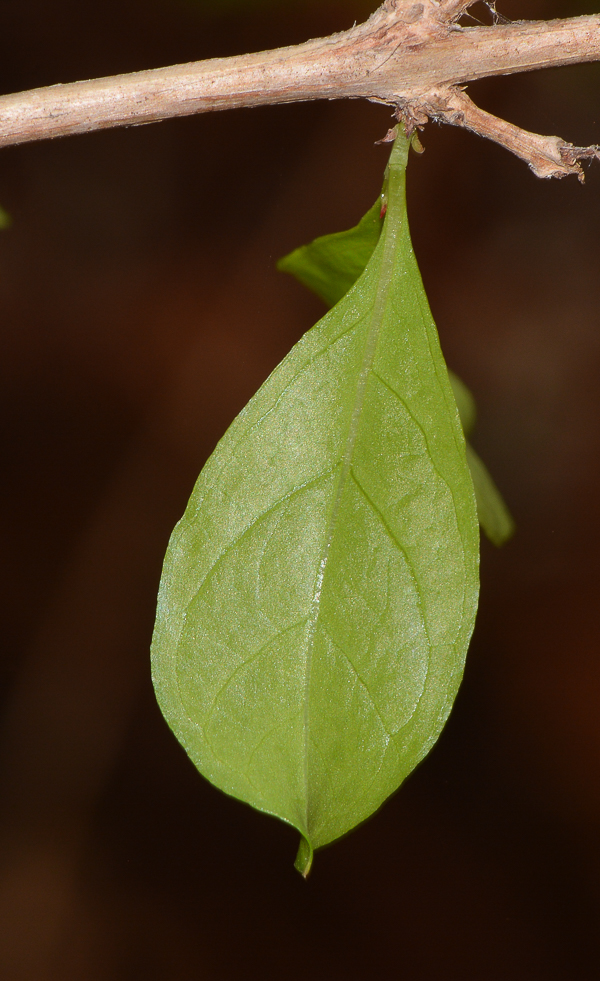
x=547 y=156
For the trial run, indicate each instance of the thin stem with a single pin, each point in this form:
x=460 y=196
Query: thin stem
x=547 y=156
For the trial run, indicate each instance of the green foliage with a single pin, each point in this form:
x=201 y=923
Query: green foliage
x=329 y=266
x=494 y=516
x=5 y=219
x=465 y=403
x=319 y=594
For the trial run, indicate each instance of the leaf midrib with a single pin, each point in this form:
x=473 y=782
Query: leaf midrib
x=390 y=235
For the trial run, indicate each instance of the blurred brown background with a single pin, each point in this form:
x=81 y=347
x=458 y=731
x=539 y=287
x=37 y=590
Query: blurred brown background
x=139 y=310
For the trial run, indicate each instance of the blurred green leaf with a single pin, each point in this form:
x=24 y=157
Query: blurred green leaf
x=330 y=265
x=494 y=516
x=5 y=219
x=465 y=402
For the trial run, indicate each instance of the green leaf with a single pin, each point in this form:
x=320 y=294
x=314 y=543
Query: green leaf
x=330 y=265
x=494 y=516
x=465 y=403
x=319 y=593
x=5 y=219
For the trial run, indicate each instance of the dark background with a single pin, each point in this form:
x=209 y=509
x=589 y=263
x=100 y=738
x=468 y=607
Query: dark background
x=139 y=310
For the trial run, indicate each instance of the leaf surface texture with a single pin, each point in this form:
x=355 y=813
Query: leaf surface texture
x=319 y=594
x=329 y=266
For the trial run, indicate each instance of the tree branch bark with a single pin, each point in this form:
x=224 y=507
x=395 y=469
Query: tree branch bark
x=411 y=55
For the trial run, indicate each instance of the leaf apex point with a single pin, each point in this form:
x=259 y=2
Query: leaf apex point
x=304 y=858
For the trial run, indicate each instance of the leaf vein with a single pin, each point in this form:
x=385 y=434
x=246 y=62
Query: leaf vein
x=394 y=538
x=360 y=680
x=421 y=429
x=260 y=517
x=246 y=435
x=245 y=664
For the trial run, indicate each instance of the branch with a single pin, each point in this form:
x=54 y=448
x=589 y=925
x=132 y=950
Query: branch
x=454 y=8
x=547 y=156
x=408 y=55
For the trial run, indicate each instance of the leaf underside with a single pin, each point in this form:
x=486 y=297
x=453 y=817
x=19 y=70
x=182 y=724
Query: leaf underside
x=319 y=594
x=329 y=266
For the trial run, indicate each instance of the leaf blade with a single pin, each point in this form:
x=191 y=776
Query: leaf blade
x=331 y=264
x=465 y=403
x=494 y=516
x=316 y=604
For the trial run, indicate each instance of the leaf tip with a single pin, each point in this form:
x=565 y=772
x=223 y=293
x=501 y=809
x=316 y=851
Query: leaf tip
x=304 y=858
x=505 y=533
